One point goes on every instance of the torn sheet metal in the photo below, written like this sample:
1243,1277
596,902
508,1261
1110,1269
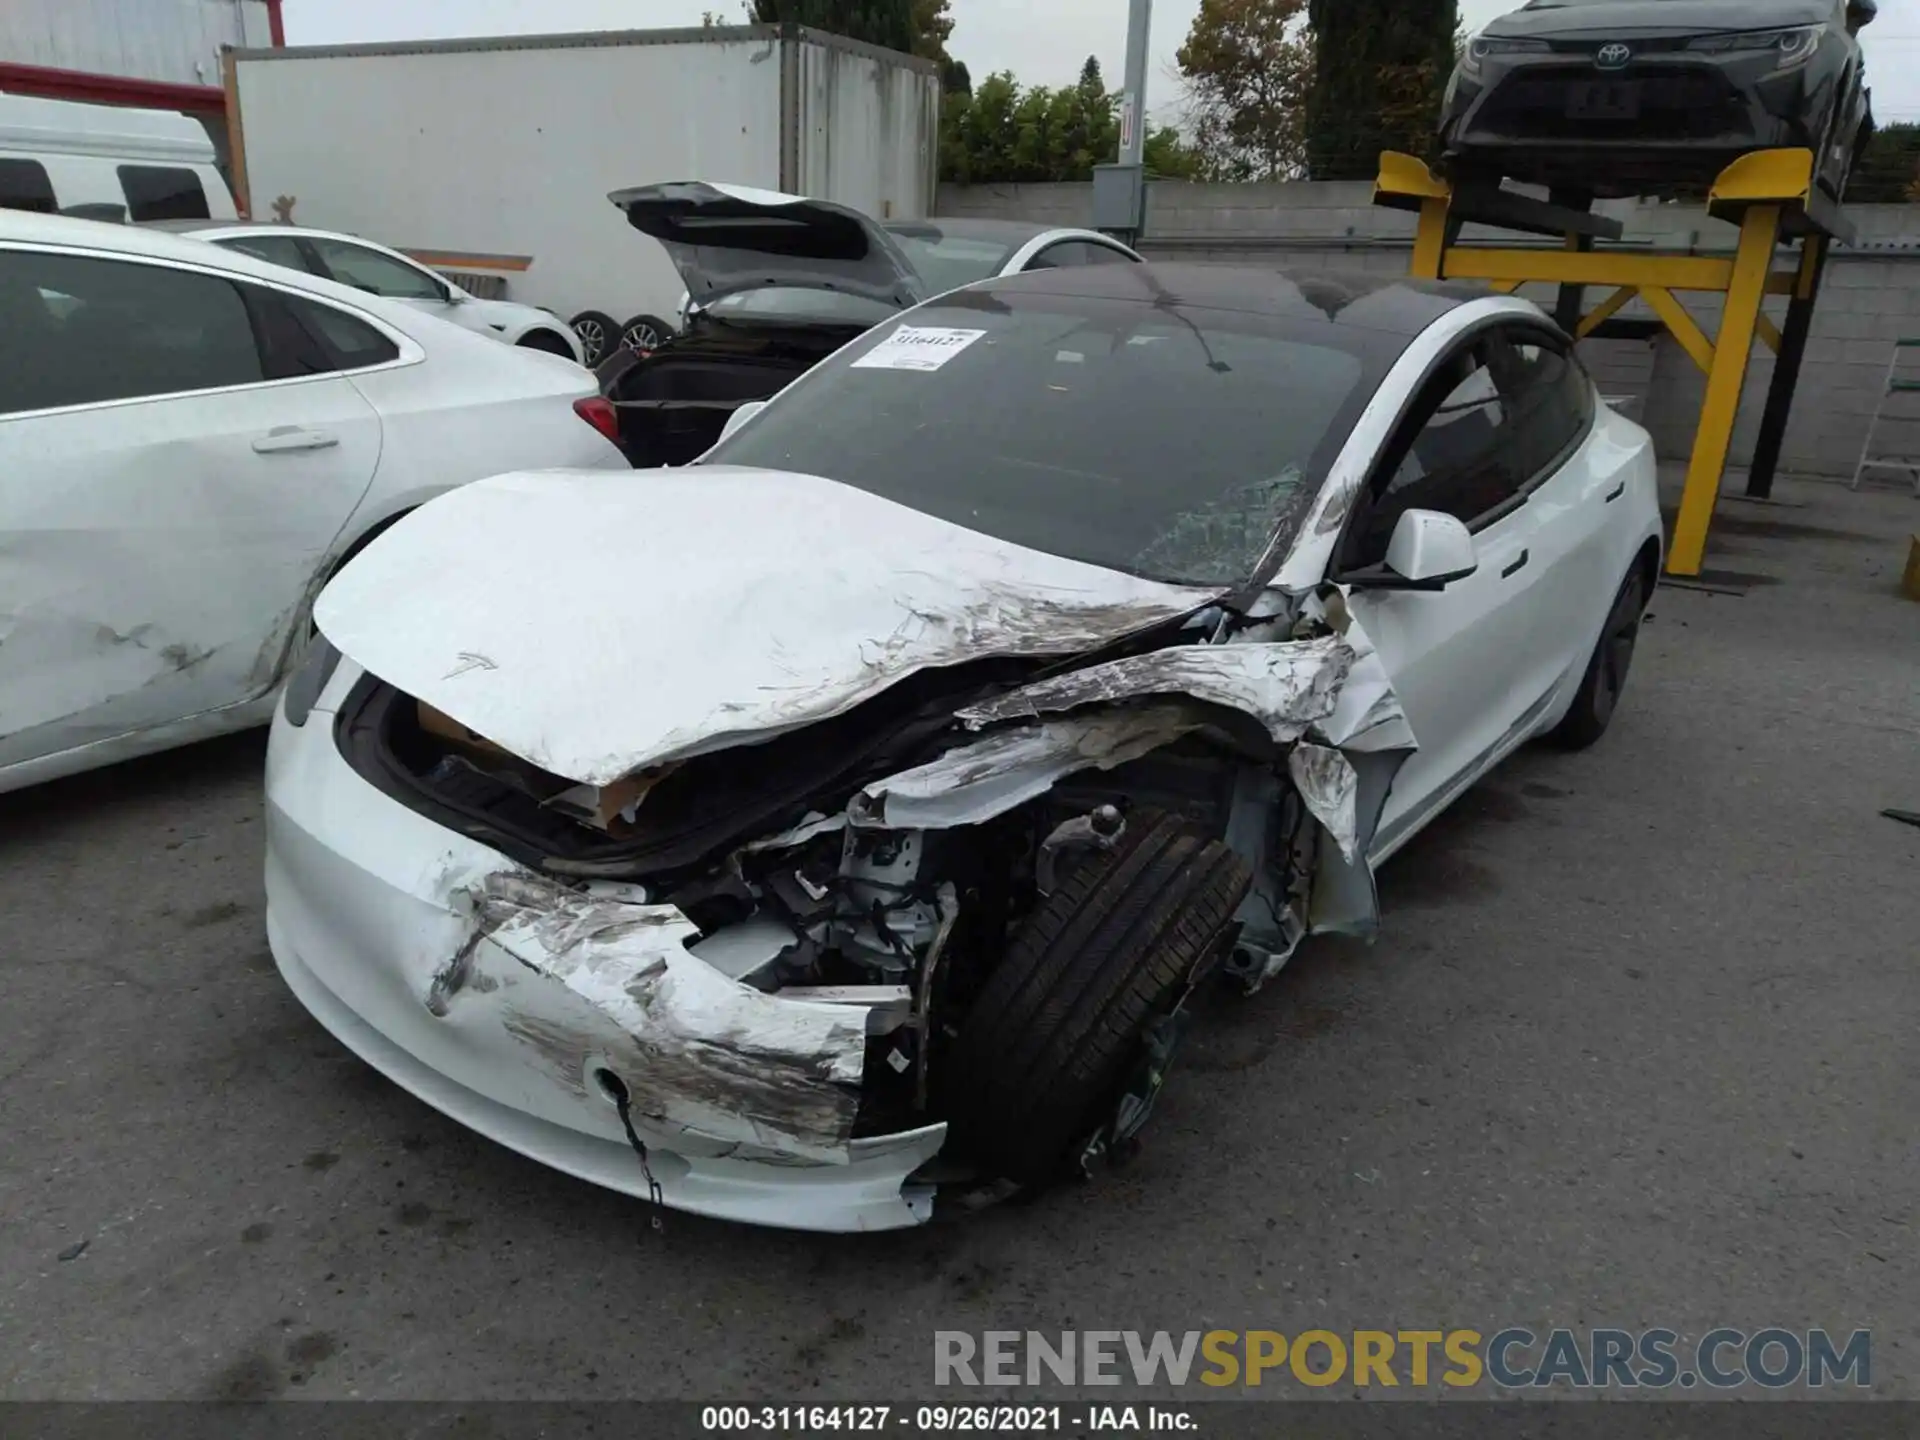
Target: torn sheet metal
696,1050
1346,897
1000,772
1367,717
1287,686
1328,787
593,626
814,824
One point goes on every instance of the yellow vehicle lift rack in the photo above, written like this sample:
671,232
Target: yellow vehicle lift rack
1769,194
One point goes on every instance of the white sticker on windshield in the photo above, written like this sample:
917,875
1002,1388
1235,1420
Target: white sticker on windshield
917,347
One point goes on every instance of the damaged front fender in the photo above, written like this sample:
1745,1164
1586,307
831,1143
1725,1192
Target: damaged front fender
1286,686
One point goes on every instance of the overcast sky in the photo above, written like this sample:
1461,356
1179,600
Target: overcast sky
1043,42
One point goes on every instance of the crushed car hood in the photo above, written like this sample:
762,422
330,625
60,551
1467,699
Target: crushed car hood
595,623
1548,19
727,238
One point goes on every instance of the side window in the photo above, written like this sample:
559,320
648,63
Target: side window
1452,454
350,344
162,192
80,331
1104,255
1549,399
375,273
24,186
274,249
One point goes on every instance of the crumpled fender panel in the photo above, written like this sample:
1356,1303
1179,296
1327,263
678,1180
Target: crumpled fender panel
1328,698
1286,686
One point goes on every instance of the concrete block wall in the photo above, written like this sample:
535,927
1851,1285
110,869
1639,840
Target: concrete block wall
1871,297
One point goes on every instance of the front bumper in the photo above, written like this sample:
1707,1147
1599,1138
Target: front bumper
363,916
1672,117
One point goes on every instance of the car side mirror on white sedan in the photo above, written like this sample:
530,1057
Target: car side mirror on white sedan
1429,551
741,416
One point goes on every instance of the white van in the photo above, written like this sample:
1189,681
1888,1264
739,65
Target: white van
102,162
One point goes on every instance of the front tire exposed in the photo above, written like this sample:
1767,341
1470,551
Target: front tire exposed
1598,698
1049,1047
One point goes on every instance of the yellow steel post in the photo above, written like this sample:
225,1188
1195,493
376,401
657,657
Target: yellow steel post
1406,182
1430,242
1759,236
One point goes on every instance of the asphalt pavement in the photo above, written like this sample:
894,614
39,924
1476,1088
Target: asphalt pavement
1638,1048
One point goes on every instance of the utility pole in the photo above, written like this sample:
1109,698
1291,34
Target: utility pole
1120,191
1133,100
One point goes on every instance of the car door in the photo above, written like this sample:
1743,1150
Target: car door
1570,476
178,452
1454,656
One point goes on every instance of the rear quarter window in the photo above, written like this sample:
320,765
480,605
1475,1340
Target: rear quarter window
351,344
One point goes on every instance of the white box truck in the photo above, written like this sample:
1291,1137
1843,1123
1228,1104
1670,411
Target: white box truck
494,157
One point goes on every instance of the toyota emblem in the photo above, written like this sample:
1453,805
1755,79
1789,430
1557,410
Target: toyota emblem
1614,56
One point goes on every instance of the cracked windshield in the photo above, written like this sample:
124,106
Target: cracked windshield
1171,444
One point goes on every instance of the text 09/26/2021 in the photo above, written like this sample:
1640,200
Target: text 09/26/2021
943,1419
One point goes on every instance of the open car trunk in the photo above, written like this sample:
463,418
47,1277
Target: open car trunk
775,284
674,402
673,406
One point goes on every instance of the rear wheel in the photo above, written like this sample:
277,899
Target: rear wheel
644,332
596,330
548,341
1075,1016
1606,678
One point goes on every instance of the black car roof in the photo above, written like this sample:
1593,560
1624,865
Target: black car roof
1356,299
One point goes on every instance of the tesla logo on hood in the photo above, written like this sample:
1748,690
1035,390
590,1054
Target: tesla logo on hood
1614,56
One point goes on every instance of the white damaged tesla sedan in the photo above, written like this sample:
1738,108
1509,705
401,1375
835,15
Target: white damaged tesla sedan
852,813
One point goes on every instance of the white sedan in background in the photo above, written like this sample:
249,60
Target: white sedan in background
853,811
191,442
950,253
390,275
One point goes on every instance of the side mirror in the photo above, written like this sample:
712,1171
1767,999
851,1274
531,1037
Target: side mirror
1861,13
455,295
1428,552
741,416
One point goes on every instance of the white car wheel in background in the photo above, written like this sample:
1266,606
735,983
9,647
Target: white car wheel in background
644,332
596,330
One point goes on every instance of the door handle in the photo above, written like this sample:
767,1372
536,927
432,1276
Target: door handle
283,438
1517,566
1618,491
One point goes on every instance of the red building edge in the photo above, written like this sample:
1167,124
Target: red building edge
52,84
